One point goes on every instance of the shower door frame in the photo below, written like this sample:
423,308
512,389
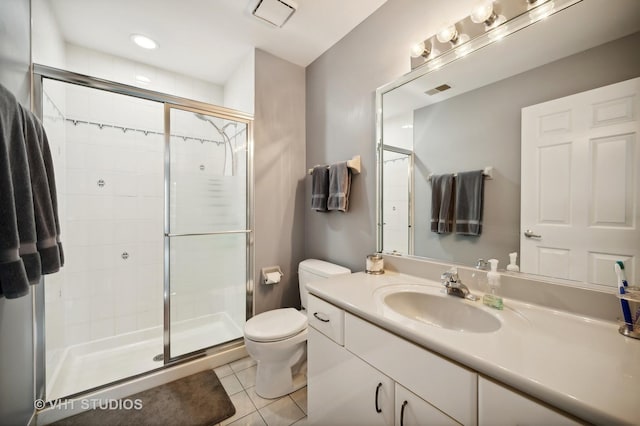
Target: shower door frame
41,72
410,196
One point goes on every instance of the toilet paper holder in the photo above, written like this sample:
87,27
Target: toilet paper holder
271,274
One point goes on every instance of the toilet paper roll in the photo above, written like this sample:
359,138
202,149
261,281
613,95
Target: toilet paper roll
272,277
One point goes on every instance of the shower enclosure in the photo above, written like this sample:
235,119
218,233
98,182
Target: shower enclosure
397,205
155,203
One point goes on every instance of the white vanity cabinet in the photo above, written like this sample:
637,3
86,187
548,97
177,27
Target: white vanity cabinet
448,387
367,380
361,374
344,390
498,406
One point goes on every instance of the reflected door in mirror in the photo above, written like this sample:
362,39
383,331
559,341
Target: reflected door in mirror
580,189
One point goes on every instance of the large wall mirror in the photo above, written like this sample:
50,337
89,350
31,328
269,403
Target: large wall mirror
554,110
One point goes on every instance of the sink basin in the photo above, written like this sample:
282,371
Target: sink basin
446,312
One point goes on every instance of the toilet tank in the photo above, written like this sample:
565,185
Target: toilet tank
313,270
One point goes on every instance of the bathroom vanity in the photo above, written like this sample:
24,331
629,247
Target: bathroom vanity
381,352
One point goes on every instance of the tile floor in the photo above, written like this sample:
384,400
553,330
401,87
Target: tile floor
238,379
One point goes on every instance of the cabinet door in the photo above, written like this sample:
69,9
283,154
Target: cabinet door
498,405
412,410
444,384
343,389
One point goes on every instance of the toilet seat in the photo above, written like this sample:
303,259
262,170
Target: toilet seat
275,325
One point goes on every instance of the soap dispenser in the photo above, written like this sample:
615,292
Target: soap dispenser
512,262
493,278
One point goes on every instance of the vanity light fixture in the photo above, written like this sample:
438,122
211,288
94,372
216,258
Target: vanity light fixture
544,10
448,34
498,18
144,41
484,12
420,49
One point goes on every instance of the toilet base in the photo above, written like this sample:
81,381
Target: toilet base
275,382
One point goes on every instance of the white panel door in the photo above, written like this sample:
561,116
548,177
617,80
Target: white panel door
581,185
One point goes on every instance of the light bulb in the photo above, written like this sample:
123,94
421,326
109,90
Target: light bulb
417,49
143,41
420,50
542,11
482,11
446,34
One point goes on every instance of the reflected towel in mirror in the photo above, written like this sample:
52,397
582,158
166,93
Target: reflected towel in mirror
469,202
442,187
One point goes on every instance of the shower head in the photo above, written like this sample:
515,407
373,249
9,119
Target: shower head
225,138
203,117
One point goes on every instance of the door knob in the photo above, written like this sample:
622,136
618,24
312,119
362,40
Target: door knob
529,234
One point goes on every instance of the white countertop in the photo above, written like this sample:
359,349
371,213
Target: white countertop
578,364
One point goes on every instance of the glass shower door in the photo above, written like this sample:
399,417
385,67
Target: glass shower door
397,170
207,229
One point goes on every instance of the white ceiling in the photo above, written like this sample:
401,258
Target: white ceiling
207,39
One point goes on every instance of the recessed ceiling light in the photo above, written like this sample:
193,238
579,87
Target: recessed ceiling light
143,79
143,41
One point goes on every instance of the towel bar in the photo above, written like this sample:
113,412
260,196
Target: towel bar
353,164
487,172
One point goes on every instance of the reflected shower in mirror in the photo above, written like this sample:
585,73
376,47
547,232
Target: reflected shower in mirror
477,122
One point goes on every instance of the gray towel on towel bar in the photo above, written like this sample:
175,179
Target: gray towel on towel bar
339,187
469,202
442,187
319,188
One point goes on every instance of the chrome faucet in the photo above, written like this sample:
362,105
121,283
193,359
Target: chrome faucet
452,282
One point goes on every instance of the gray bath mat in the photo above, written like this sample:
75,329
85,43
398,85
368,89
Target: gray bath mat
199,400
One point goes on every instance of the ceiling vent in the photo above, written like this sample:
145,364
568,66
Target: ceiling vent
275,12
438,89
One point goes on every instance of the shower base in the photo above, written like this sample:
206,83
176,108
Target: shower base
89,365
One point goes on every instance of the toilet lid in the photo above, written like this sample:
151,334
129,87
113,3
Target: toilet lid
275,325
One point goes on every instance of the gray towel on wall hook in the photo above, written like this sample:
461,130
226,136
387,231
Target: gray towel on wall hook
17,227
44,195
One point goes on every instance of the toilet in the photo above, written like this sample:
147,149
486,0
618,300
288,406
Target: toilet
277,339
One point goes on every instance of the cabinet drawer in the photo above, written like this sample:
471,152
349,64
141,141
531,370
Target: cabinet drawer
326,318
444,384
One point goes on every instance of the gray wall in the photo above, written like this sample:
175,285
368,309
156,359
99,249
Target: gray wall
341,88
279,166
491,136
16,344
